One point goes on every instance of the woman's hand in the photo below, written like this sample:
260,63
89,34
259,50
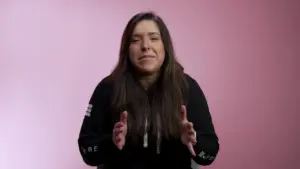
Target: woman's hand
188,135
120,131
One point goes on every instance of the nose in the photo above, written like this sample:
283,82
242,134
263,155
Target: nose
145,44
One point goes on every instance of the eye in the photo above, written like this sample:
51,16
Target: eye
154,38
134,40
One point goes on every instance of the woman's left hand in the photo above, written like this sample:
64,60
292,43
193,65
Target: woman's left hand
188,135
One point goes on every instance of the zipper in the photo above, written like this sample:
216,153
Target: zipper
158,143
158,140
146,134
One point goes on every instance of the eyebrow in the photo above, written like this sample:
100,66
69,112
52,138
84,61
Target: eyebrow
149,33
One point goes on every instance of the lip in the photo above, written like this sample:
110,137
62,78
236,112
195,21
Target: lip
146,57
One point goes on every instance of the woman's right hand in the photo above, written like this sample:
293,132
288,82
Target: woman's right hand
120,131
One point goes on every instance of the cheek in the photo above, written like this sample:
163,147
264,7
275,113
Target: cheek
161,54
161,57
133,53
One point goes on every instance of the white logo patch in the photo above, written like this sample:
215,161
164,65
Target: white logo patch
205,156
89,110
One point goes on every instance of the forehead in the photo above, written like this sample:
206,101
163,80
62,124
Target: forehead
146,27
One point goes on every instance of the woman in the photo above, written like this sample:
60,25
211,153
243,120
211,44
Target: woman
147,113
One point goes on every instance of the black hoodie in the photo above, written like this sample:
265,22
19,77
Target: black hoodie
96,146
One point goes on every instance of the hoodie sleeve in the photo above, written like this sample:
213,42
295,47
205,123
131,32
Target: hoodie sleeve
95,138
198,113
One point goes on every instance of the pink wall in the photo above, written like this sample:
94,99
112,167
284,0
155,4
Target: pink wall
244,54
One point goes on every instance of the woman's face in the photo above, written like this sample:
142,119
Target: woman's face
146,51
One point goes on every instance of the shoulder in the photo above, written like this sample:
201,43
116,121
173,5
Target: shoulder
194,89
192,83
103,87
103,84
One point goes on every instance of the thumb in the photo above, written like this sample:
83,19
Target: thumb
123,117
191,149
183,113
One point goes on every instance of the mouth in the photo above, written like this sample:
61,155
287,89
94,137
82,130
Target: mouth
146,57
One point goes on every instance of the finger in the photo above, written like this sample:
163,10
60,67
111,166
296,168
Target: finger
192,139
118,125
119,142
191,149
183,113
190,127
118,139
119,145
118,131
191,133
123,117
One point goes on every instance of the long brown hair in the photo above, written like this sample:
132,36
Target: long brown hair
163,106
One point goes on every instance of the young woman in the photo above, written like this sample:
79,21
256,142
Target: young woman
148,113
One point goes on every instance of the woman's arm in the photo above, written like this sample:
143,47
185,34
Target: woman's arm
95,137
207,146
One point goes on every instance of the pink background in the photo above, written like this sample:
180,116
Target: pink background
243,53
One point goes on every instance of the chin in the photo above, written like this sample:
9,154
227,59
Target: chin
147,70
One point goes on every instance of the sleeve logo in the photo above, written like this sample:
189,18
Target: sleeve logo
205,156
89,110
